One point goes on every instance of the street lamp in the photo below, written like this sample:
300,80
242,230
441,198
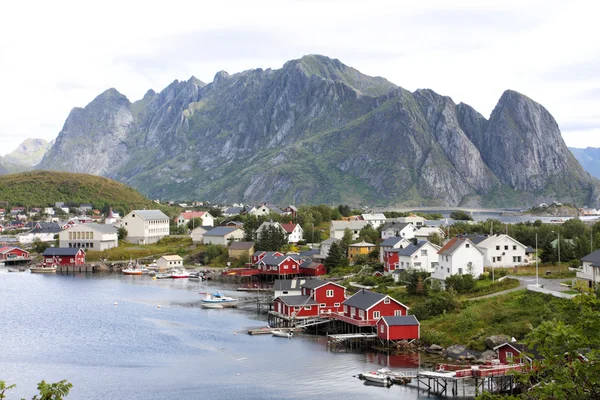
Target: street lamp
558,244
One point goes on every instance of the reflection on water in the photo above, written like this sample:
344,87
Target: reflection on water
68,327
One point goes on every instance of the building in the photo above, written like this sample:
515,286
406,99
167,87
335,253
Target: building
294,232
312,268
12,253
459,256
326,246
44,231
89,236
238,249
590,269
375,220
502,251
398,229
185,217
512,353
328,295
260,254
391,243
63,256
112,217
338,228
365,308
405,327
288,287
145,226
168,262
296,306
279,265
424,232
197,233
356,250
223,235
416,220
421,256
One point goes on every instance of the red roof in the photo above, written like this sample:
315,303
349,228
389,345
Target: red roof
448,245
6,249
289,228
193,214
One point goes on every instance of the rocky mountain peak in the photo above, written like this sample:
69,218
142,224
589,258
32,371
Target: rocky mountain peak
29,153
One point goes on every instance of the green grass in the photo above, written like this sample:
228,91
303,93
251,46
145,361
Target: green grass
547,271
127,251
486,287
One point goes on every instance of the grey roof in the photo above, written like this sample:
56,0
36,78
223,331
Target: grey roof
410,249
314,283
220,231
150,214
475,238
46,227
276,209
60,251
288,284
330,241
352,225
593,258
104,228
298,300
397,226
258,253
309,253
233,210
391,241
529,250
364,299
270,259
403,320
241,245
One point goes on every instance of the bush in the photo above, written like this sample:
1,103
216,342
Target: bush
431,336
438,303
461,283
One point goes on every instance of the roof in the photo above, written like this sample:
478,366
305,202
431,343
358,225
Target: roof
46,227
529,250
258,253
593,258
270,259
453,245
233,210
104,228
310,264
491,241
362,244
309,253
221,231
317,283
391,241
297,300
397,226
330,241
371,217
428,230
410,249
241,245
6,249
192,214
61,251
352,225
289,228
174,257
404,320
364,299
150,214
288,284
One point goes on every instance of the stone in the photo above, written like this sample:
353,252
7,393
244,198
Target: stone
496,340
455,351
435,347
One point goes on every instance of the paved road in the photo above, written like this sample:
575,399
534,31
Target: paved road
552,284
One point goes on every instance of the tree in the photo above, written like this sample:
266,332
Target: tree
460,216
194,223
344,210
38,246
368,234
271,238
122,233
47,391
335,257
215,212
346,241
435,239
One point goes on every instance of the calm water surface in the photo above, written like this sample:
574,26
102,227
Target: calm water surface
67,327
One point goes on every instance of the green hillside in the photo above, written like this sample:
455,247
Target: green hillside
44,188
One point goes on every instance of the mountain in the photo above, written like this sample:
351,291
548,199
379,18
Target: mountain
44,188
318,131
589,158
3,169
26,156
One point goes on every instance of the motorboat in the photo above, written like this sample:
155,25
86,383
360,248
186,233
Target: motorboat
16,269
43,269
132,271
377,377
283,334
179,273
212,305
163,276
395,376
218,298
195,277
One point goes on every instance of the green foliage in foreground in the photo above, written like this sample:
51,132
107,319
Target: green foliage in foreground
127,251
47,391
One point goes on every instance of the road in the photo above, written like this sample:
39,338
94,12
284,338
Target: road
552,284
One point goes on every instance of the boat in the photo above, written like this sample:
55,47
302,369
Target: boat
218,298
280,333
153,266
395,376
194,277
179,273
212,305
16,269
133,269
43,269
163,276
377,377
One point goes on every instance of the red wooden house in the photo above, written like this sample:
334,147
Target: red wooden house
391,260
405,327
64,256
260,254
8,252
279,265
296,306
365,308
312,268
512,353
328,295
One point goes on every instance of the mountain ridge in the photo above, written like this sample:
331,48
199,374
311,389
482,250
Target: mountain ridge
317,130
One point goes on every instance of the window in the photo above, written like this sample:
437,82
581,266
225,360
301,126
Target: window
493,259
296,308
417,264
423,252
345,309
397,313
361,314
336,304
446,258
329,293
497,247
448,270
467,245
509,356
376,314
506,247
323,305
308,307
352,311
70,235
285,292
499,259
386,300
514,247
460,271
285,267
382,328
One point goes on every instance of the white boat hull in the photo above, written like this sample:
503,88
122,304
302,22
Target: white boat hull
282,334
377,378
42,270
212,305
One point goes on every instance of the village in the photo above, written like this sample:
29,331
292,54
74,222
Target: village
332,287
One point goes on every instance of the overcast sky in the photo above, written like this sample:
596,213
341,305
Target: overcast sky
56,55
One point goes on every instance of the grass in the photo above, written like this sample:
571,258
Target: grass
127,251
486,287
547,271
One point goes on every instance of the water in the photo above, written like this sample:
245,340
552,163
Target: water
480,216
67,327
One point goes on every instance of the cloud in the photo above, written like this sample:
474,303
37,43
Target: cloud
67,86
591,94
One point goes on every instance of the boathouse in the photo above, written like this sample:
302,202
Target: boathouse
64,256
365,308
328,295
9,252
405,327
260,254
272,265
288,287
312,268
512,353
296,306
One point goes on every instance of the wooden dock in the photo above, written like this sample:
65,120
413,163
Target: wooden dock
265,330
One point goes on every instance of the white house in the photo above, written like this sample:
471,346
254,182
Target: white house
459,256
374,219
294,232
112,217
424,232
185,217
590,269
338,228
391,244
197,233
167,262
398,229
44,231
145,226
326,246
422,256
412,219
266,209
223,235
49,211
89,236
502,251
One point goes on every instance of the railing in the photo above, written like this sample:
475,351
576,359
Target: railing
357,322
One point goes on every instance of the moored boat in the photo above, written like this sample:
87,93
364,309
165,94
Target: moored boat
283,334
179,273
395,376
218,298
376,377
163,276
212,305
43,269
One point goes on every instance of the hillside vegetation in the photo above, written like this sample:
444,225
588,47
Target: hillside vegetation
44,188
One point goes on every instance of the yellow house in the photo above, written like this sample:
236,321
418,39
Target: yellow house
236,249
358,249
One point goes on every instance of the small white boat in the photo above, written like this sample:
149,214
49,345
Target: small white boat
283,334
17,269
179,273
163,276
43,269
218,298
395,376
376,377
212,305
195,277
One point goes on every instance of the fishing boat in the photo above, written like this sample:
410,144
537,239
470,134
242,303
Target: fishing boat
43,269
376,377
179,273
283,334
218,298
212,305
132,269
